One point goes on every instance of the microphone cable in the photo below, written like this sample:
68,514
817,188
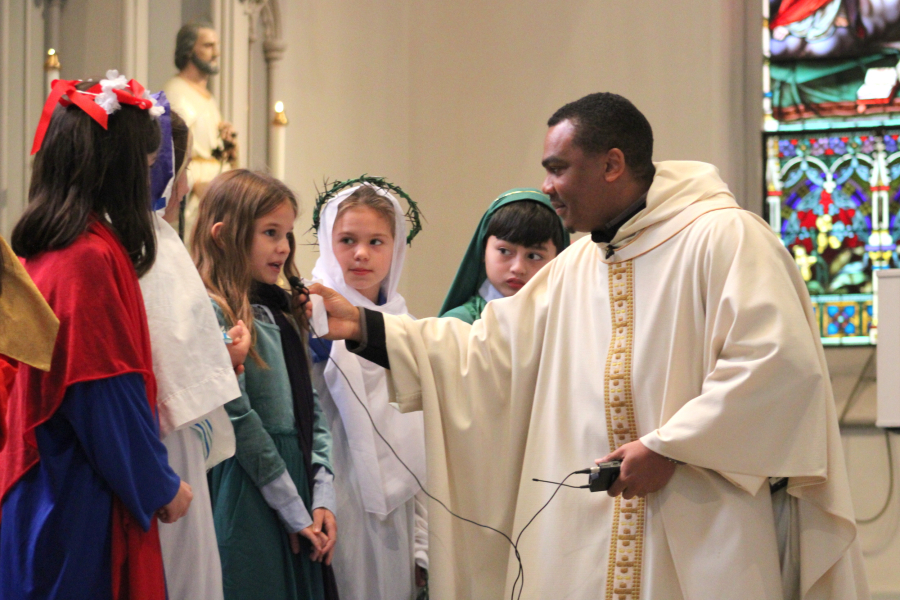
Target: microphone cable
301,289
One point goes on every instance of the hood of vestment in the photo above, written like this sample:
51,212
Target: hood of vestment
681,191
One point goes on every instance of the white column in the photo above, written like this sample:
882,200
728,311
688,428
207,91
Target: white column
773,185
231,85
274,51
769,122
136,38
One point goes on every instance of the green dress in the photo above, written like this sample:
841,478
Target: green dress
257,562
463,300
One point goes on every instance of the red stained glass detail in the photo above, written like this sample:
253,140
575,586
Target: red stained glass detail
845,215
807,220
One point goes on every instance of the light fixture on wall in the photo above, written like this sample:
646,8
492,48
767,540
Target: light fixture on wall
51,68
277,141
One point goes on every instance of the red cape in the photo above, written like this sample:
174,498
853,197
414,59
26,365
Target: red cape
93,289
8,369
792,11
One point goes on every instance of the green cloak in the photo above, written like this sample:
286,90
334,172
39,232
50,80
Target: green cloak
463,300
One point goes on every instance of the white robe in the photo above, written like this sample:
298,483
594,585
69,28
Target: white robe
375,553
194,380
714,340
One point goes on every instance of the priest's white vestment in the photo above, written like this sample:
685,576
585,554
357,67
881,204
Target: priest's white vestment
696,336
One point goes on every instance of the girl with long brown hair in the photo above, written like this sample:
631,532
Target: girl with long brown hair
273,503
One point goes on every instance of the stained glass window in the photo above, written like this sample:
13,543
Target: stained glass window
831,77
834,199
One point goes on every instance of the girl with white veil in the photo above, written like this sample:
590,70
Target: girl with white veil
383,549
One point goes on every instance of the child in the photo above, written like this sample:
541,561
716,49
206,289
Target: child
362,245
272,502
517,236
83,473
194,373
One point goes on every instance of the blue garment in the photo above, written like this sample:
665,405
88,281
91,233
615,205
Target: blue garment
55,533
320,348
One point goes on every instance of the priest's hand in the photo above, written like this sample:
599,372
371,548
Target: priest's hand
643,471
325,525
343,317
178,507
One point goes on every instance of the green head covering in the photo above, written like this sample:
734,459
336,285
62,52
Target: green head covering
471,273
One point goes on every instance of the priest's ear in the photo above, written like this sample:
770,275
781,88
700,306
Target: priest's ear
615,165
216,233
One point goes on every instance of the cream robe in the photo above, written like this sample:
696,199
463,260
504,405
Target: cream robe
201,114
715,342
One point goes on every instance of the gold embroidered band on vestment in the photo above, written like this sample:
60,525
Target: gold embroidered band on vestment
623,580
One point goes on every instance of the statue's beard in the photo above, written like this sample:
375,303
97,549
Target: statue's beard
205,67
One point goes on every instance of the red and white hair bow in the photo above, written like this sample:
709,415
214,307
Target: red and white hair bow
99,101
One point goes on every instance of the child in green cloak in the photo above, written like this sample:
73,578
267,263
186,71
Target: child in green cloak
518,235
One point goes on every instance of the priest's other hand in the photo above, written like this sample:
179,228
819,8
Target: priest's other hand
643,471
178,507
325,525
343,317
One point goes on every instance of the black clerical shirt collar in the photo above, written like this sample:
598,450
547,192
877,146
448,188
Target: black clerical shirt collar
605,235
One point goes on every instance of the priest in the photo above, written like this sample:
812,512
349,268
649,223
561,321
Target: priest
678,338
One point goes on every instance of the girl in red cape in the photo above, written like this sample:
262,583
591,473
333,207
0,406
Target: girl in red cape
83,474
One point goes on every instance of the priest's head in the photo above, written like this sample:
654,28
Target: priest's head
598,157
197,47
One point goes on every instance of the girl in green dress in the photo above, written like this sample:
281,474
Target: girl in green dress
517,236
273,502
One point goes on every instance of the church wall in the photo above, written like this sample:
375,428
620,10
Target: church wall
21,100
485,79
91,39
164,22
346,77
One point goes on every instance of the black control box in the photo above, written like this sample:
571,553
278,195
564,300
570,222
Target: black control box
604,475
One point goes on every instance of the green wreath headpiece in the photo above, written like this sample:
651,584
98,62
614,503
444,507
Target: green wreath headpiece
413,213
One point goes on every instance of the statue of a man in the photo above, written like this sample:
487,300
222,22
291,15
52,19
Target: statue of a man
214,145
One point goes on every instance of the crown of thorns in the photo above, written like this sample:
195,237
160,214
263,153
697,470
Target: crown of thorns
413,213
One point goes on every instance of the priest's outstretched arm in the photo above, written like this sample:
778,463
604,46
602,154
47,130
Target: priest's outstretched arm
644,471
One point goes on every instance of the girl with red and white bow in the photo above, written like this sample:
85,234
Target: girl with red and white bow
83,474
